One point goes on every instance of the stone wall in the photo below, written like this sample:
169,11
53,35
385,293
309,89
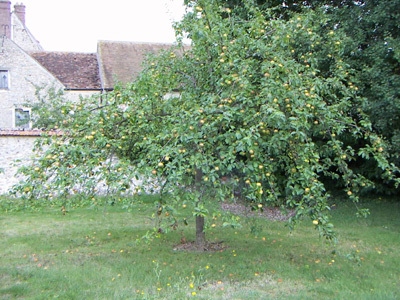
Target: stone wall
13,148
16,150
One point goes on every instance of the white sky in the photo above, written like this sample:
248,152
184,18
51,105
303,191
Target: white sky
77,25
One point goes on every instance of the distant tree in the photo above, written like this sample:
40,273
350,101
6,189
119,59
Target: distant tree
375,53
254,113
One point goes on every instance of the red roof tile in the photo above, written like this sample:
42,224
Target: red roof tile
75,70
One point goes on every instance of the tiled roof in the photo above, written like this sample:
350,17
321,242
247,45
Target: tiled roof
75,70
123,60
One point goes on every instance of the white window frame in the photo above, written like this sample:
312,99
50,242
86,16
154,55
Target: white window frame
24,109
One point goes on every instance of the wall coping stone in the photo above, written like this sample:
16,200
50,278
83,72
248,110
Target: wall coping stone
31,132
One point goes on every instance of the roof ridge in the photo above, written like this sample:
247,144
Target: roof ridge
60,52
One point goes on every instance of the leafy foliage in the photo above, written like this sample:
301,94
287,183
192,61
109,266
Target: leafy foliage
259,113
46,111
372,32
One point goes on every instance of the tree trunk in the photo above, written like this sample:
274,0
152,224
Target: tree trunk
200,234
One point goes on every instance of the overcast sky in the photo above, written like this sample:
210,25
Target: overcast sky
77,25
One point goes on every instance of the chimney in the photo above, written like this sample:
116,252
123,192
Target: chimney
5,18
19,10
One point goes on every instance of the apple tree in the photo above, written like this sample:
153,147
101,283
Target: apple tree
245,110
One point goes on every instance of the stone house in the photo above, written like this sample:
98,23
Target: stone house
25,66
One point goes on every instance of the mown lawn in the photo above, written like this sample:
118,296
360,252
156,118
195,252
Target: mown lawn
92,253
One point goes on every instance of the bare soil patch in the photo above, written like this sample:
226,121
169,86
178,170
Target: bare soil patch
271,213
208,247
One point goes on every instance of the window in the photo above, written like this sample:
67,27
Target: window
22,117
3,79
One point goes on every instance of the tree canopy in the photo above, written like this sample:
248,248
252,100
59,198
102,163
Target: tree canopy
262,107
372,31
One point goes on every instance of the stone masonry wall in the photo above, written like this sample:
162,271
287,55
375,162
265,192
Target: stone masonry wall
17,151
13,148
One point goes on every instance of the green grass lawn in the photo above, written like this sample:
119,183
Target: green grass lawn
92,253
